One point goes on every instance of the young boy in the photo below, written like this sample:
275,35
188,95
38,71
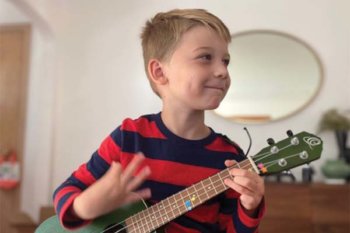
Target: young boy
152,157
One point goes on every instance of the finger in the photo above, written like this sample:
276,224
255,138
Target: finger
230,163
243,172
114,171
238,188
138,195
144,193
249,202
132,166
139,179
246,183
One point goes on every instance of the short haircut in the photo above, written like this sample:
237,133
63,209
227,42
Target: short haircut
162,33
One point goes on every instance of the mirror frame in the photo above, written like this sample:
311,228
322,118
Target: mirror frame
315,55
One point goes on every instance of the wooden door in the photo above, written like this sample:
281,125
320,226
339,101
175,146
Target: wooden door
14,50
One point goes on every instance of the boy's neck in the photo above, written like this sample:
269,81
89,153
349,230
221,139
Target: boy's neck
186,125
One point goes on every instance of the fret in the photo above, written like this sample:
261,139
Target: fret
153,213
197,193
149,213
156,214
167,208
221,176
214,183
174,206
130,226
167,211
209,188
187,199
143,222
162,213
183,197
204,188
222,182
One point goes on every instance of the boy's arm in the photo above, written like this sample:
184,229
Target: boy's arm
248,191
234,217
91,182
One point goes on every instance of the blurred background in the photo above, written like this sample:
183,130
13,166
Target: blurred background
71,71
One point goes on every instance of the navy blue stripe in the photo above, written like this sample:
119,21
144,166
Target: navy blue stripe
62,201
160,191
240,227
226,206
133,142
74,224
200,226
71,181
97,166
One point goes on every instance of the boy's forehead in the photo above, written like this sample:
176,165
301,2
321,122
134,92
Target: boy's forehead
201,37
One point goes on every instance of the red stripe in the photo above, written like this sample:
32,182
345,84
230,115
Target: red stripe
226,222
63,192
221,145
172,172
109,150
143,126
84,175
247,220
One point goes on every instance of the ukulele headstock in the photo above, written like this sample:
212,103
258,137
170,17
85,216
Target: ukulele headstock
288,153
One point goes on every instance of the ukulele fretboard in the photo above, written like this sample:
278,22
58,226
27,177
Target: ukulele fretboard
172,207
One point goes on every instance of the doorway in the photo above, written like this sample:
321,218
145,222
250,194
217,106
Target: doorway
14,56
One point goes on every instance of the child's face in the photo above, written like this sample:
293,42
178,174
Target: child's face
197,73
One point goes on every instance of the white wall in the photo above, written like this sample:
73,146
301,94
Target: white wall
95,72
36,178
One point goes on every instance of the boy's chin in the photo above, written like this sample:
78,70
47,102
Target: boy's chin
212,106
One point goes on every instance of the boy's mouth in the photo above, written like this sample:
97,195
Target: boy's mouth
221,88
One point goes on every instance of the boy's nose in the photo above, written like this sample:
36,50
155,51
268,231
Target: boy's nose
221,71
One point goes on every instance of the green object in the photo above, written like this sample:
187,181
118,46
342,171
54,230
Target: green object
336,169
102,224
288,153
291,152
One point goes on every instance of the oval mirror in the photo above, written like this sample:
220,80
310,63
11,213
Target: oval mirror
273,75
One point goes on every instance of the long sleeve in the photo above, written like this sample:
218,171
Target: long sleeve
81,179
234,219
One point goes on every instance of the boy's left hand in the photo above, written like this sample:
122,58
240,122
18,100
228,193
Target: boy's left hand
249,184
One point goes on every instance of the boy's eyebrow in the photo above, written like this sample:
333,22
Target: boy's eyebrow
208,48
203,48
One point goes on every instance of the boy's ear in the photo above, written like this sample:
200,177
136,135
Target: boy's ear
156,72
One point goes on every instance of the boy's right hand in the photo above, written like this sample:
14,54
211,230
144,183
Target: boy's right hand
112,190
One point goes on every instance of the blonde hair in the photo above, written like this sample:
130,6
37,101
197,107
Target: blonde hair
162,33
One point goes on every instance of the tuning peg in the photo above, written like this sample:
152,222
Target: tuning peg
270,141
290,133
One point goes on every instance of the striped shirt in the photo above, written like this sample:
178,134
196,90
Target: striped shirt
175,163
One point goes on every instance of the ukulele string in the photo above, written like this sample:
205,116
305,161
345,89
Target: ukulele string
259,157
245,164
139,230
273,162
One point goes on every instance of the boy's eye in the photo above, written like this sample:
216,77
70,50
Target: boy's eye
226,61
206,57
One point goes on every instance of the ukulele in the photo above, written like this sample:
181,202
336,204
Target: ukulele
291,152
